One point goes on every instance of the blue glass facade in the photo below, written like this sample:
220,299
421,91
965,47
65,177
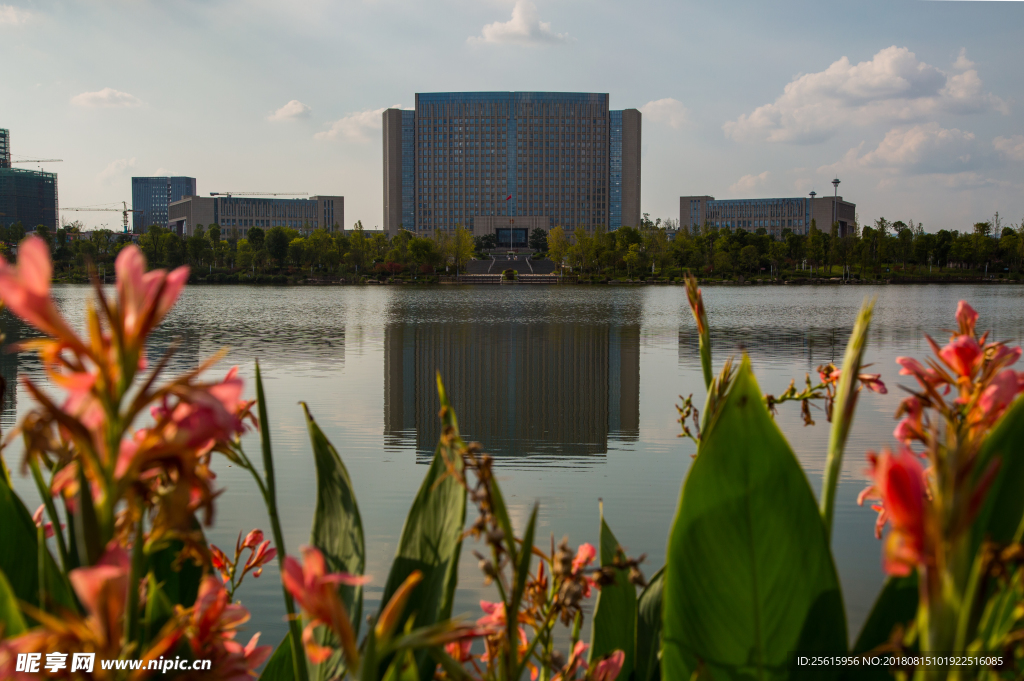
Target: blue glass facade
152,195
480,156
408,168
615,171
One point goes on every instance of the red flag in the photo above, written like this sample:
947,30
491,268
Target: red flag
509,197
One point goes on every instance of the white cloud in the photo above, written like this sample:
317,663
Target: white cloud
115,170
1011,147
669,111
107,97
749,182
355,127
524,28
14,16
290,111
893,87
962,63
927,148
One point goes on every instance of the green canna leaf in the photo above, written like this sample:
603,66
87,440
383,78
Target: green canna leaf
87,525
1003,508
432,537
178,582
896,605
279,666
522,571
749,579
11,621
648,629
269,489
338,533
18,536
614,626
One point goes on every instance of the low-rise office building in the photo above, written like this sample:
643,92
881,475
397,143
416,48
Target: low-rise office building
496,161
774,215
236,215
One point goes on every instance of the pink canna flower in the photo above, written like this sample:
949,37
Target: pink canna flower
584,556
608,669
911,367
145,297
966,318
1001,391
252,540
911,427
261,555
460,650
37,518
963,355
25,289
898,482
316,592
873,382
210,627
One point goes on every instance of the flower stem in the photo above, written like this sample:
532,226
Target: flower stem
842,419
51,511
131,620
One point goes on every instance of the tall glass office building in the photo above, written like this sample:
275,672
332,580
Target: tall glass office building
152,195
510,162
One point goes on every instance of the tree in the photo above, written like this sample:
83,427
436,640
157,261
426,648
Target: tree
173,253
357,248
199,249
558,245
538,240
152,244
319,246
461,248
632,258
776,253
424,251
297,251
256,238
277,241
656,246
244,254
749,257
213,233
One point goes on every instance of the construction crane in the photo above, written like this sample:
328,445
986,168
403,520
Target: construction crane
230,194
124,210
40,160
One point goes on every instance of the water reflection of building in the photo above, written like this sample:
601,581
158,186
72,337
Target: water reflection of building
815,345
547,390
12,332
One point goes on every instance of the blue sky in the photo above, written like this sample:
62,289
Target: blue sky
916,106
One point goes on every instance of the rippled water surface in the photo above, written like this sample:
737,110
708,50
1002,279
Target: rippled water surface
572,388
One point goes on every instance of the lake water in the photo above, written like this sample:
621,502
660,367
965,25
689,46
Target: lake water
571,388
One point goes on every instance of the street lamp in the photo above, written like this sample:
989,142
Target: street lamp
811,211
835,183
